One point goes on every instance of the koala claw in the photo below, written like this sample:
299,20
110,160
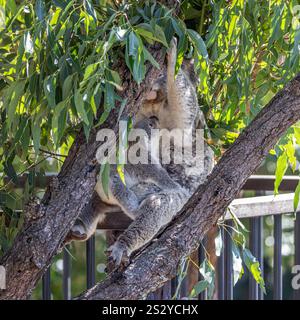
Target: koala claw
117,255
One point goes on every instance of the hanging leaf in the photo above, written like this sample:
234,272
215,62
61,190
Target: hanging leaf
36,136
282,165
296,197
90,70
254,268
198,288
290,152
58,122
104,174
68,86
14,94
28,44
237,265
218,243
145,30
79,104
40,9
134,57
198,42
148,57
49,90
208,273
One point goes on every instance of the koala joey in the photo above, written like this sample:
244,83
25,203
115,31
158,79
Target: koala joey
173,100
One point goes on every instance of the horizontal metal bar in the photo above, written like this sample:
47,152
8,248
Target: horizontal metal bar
255,182
262,206
266,183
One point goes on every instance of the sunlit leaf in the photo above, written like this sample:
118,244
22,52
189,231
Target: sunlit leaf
198,43
79,103
296,197
104,174
282,165
254,268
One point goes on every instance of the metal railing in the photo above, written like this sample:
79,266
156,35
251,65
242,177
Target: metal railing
253,209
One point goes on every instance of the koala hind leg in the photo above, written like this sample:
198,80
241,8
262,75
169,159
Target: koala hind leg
86,223
154,212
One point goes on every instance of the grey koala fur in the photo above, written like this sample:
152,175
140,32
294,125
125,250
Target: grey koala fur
141,180
155,193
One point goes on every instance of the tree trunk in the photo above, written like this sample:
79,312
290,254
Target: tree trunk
158,262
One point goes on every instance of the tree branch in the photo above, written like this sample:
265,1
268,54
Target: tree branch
153,266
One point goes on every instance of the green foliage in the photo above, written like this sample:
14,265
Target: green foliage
241,257
296,198
250,47
253,266
208,283
58,72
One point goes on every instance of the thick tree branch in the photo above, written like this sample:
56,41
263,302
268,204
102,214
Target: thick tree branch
158,262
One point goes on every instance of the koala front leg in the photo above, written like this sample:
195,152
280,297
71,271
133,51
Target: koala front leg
159,176
127,199
154,212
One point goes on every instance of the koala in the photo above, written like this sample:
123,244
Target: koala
173,101
153,194
140,180
125,195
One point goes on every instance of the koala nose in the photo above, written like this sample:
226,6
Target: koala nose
153,121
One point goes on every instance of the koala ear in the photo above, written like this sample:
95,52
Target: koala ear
152,95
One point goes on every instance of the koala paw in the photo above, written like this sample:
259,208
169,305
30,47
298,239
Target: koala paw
117,255
77,233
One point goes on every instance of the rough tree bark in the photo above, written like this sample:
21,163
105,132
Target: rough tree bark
158,262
